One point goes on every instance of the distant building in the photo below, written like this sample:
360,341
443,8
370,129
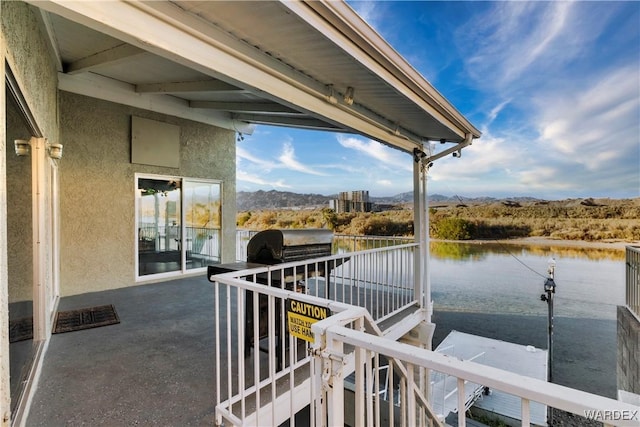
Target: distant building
351,201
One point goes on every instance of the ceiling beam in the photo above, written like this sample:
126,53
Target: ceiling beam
100,87
245,107
117,54
297,122
53,41
184,87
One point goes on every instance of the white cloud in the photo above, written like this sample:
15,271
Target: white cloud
260,180
570,125
495,111
289,161
489,155
265,165
286,160
514,39
594,126
367,11
388,158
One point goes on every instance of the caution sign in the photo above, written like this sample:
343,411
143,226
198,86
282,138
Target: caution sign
300,317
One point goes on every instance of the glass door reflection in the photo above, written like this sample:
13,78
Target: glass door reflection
159,226
202,223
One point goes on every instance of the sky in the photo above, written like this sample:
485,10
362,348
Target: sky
554,87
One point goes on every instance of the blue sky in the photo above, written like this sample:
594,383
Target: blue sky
553,86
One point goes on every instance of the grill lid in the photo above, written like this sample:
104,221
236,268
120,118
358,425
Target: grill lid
273,244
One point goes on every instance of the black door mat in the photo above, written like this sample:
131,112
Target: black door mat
21,329
86,318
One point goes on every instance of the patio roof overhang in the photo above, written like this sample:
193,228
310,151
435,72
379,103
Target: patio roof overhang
314,65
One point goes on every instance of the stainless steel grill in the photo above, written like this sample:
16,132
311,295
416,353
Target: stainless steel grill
278,246
271,247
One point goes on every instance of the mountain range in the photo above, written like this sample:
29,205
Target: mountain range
273,199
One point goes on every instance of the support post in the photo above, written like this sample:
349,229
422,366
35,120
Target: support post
333,382
422,287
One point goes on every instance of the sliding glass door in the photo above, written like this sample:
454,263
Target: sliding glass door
178,224
202,212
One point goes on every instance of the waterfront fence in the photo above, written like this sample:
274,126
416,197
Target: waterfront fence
260,364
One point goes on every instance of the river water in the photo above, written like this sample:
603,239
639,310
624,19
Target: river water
494,289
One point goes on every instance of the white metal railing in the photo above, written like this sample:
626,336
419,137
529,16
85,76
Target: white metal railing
633,279
381,277
341,242
332,338
251,385
400,395
444,388
251,316
256,387
353,243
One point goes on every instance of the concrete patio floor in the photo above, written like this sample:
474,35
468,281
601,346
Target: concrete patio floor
156,367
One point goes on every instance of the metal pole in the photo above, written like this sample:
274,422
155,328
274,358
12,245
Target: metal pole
550,337
550,289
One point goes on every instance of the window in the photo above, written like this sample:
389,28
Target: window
178,224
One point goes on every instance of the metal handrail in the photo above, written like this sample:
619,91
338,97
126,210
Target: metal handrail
526,388
356,278
337,345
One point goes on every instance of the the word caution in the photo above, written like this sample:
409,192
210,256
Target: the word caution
300,317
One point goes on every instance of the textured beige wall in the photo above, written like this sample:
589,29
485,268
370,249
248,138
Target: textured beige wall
32,64
97,183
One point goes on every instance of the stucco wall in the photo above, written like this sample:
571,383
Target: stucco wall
628,351
32,64
97,181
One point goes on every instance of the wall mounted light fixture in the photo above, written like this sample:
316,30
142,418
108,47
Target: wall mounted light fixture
54,150
348,96
331,98
22,147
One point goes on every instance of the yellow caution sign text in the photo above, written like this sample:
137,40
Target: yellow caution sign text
300,317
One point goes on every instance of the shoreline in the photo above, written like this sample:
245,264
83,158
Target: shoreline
546,241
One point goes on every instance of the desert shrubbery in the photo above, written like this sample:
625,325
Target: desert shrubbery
567,220
452,228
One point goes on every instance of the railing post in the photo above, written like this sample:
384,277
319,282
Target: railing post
462,421
360,357
318,405
333,382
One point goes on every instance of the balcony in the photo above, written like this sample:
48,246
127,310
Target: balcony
377,323
181,356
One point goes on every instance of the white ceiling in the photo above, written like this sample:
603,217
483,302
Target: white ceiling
237,63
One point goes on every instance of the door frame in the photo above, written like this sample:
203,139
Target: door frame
46,255
183,270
